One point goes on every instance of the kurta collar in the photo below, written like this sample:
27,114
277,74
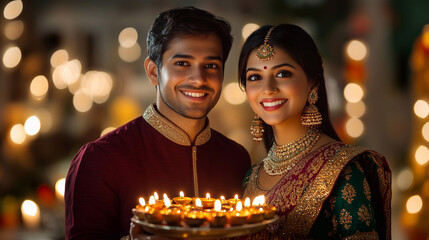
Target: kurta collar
172,131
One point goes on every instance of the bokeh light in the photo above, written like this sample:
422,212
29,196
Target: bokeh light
421,108
12,57
130,54
39,86
414,204
354,127
81,101
356,50
59,57
248,29
425,131
425,36
13,9
17,134
60,186
353,93
29,207
355,110
32,125
97,85
422,155
128,37
107,130
13,30
233,94
405,179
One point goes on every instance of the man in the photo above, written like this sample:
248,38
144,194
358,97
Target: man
170,148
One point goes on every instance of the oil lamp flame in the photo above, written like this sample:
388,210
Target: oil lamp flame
167,201
155,195
182,194
198,202
222,198
217,205
239,206
152,200
208,195
142,202
247,202
236,197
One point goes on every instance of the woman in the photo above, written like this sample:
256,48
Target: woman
321,187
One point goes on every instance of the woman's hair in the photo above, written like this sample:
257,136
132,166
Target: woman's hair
183,22
301,47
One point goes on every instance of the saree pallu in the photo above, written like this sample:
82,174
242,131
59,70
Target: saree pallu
307,189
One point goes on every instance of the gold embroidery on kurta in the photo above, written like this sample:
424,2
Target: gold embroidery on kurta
345,219
171,131
364,215
366,189
349,193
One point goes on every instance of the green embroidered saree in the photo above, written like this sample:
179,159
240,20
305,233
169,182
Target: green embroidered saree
336,192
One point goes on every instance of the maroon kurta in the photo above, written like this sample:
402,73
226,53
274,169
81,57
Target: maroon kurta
107,176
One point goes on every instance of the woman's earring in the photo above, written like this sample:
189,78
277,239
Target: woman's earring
311,117
257,129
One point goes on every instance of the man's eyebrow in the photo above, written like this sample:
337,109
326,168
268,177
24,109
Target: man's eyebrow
182,56
191,57
214,58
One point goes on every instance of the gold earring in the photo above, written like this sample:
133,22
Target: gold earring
311,117
257,129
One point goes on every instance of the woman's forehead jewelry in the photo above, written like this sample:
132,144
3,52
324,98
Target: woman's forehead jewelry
266,51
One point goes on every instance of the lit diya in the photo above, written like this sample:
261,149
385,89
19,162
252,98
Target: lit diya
233,201
195,217
172,215
152,213
182,200
217,218
238,216
208,202
158,203
256,212
139,211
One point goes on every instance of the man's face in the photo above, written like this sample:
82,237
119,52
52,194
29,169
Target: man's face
191,75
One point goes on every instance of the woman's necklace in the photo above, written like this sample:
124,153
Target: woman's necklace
283,158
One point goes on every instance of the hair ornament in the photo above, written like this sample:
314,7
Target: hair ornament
266,51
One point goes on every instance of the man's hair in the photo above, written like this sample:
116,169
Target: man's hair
184,22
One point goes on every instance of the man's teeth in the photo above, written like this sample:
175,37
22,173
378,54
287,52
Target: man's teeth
272,104
194,94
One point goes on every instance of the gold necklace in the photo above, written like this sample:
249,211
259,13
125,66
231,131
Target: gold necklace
283,158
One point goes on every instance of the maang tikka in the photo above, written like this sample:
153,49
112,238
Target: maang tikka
266,51
257,129
311,117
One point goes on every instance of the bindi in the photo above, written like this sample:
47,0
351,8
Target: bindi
265,67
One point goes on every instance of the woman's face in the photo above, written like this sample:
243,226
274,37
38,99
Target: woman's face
276,89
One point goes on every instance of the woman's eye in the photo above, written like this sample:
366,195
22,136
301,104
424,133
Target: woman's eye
284,74
254,77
